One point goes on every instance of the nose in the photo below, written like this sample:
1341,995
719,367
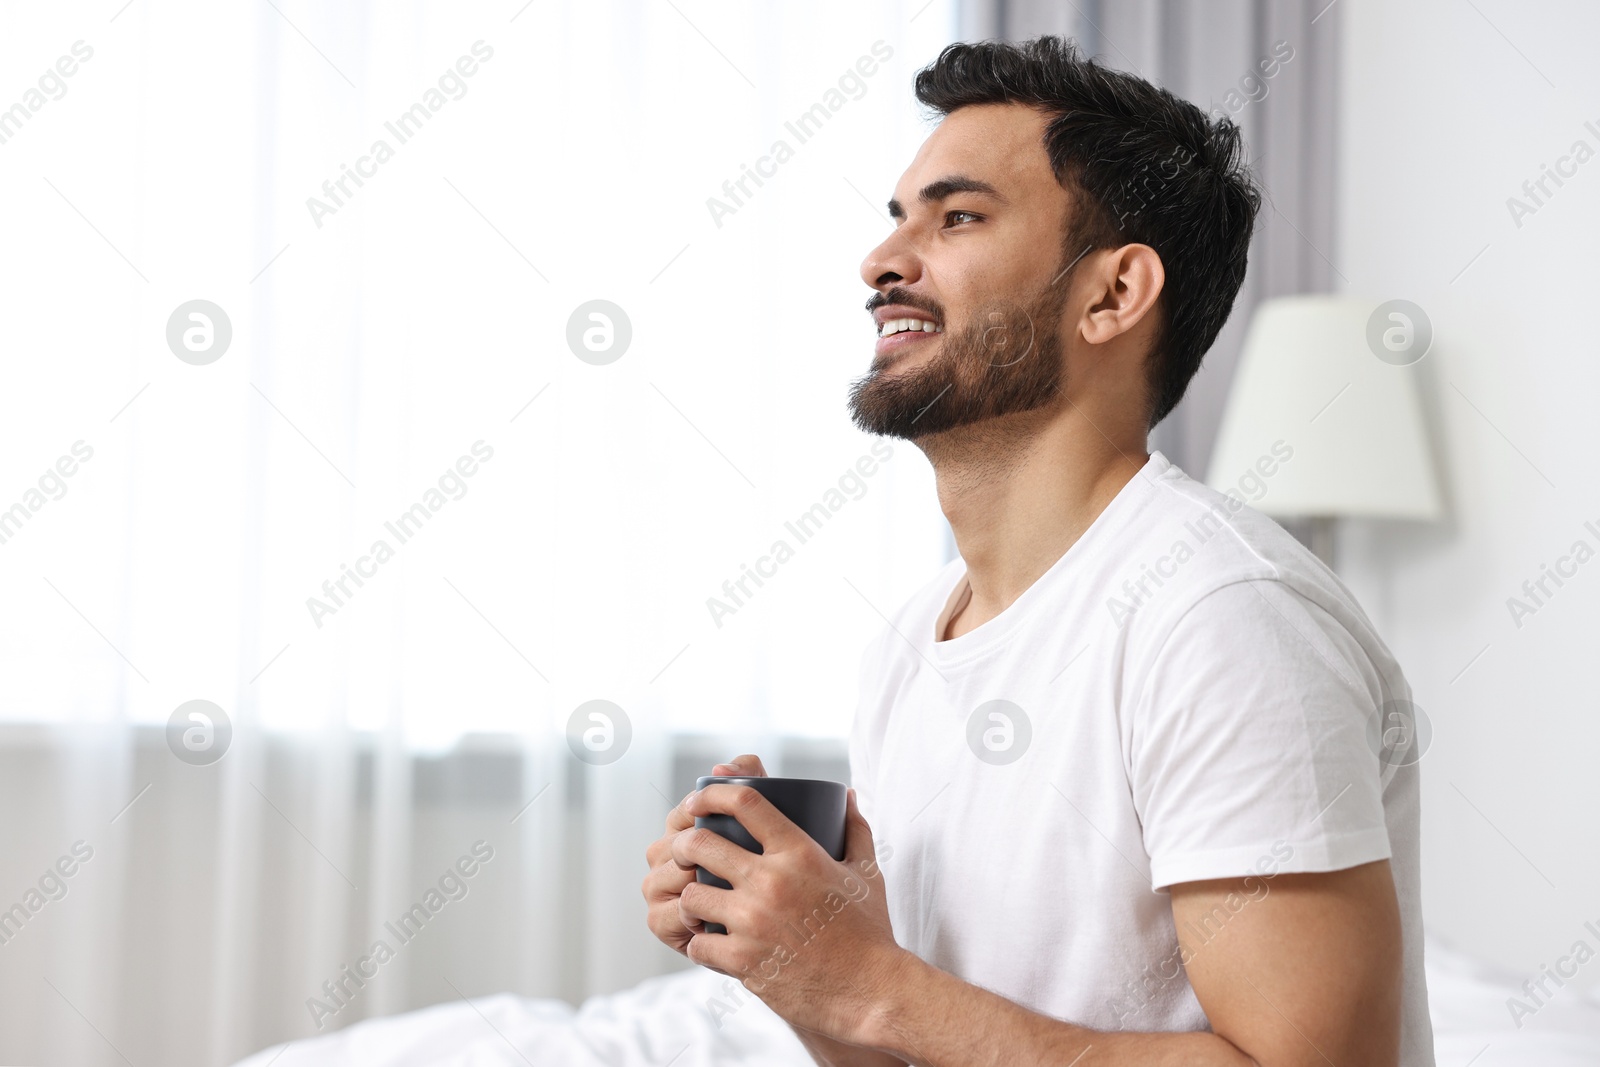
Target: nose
893,262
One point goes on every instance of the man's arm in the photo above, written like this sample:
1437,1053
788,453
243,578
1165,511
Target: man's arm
830,1053
1301,974
1308,973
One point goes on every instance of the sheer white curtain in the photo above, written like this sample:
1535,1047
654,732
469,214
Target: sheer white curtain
400,529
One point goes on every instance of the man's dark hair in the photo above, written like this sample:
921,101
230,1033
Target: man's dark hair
1148,168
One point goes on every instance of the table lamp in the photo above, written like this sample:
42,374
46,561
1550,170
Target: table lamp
1331,382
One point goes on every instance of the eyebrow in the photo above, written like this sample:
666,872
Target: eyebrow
944,187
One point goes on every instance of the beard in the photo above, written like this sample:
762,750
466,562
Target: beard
1005,360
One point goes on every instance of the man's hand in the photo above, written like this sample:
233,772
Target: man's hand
665,883
677,927
808,934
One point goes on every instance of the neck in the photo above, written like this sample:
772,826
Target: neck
1020,490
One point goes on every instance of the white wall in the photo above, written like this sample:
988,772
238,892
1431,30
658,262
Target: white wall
1447,108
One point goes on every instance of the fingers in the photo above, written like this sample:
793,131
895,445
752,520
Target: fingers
679,818
700,904
666,879
754,812
703,848
664,923
748,765
660,850
713,951
662,888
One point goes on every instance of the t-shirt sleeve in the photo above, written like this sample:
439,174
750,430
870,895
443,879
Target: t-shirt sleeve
1248,743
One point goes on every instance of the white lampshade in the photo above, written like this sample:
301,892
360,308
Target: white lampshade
1309,383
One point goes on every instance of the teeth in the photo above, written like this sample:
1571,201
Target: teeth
894,326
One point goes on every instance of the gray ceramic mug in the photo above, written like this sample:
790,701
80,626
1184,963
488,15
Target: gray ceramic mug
816,806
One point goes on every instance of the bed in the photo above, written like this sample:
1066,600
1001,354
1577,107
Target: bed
691,1019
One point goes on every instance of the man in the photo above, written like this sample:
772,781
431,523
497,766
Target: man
1130,752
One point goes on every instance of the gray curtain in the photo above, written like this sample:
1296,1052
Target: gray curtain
1209,51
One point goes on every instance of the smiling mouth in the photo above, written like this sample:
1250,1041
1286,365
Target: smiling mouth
892,327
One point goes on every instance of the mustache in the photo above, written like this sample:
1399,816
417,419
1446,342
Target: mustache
905,298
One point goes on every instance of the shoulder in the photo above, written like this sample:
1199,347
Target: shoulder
1232,580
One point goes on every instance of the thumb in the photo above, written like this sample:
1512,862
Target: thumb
748,765
859,851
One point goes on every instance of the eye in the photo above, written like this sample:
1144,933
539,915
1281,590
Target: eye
957,218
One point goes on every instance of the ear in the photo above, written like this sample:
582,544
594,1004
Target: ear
1129,280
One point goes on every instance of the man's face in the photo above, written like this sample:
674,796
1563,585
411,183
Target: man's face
975,261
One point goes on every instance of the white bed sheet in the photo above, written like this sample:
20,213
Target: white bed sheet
1468,1002
659,1022
668,1022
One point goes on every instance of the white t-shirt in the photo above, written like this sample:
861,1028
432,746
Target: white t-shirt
1187,693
